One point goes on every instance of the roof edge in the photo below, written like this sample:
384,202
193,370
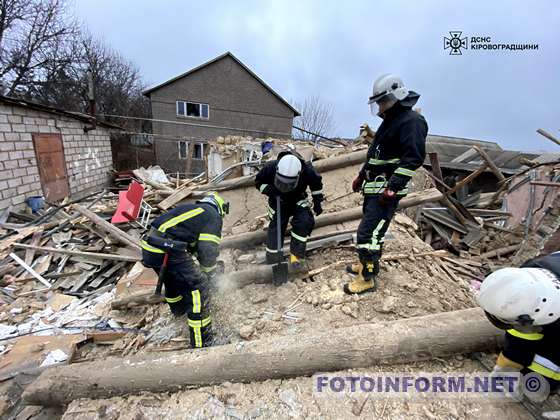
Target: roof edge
147,92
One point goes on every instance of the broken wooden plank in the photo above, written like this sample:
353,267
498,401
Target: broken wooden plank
490,163
174,198
30,252
29,269
545,183
468,179
93,255
112,230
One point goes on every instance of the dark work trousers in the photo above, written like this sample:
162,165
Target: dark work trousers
302,226
371,231
185,292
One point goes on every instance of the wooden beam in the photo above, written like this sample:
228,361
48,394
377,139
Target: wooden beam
548,136
545,183
94,255
490,163
174,198
112,230
359,346
30,270
248,239
468,179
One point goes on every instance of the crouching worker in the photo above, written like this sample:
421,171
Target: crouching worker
525,302
187,231
288,177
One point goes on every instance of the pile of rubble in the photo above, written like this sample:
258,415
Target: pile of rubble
73,289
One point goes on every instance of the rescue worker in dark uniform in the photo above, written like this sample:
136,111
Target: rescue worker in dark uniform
398,149
187,231
525,302
289,176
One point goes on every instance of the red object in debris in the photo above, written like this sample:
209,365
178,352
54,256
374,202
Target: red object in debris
129,204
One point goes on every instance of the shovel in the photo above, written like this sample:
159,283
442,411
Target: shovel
280,269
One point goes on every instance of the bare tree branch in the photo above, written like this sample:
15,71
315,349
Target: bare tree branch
316,117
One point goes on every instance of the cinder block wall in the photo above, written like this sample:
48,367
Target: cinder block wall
88,155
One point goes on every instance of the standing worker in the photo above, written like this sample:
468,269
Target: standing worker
186,231
399,148
525,302
288,177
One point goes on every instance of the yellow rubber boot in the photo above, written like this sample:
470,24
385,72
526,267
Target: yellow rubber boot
360,284
296,264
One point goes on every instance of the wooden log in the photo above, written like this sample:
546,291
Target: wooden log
359,346
490,163
548,136
249,239
94,255
112,230
501,251
323,165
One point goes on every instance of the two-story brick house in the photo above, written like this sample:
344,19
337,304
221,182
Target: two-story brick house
220,97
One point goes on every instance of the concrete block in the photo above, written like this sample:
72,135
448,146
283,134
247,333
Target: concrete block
3,185
9,193
24,189
6,174
20,128
5,146
14,182
27,162
27,121
15,119
23,145
5,128
16,154
31,128
11,164
19,173
12,137
32,170
25,137
3,118
18,200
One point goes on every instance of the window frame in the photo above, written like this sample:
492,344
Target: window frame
186,149
185,103
201,144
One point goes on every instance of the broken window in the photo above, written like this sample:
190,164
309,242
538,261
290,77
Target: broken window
192,109
183,149
198,152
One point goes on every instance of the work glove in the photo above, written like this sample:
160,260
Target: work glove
317,208
357,183
387,197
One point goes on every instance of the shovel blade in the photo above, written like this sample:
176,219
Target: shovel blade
280,273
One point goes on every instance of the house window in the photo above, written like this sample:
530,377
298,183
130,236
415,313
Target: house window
183,149
192,109
198,152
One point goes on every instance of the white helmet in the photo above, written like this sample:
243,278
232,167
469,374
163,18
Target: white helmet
520,297
387,87
287,173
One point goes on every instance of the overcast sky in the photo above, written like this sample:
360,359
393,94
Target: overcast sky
336,49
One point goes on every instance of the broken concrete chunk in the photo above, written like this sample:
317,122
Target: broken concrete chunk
246,332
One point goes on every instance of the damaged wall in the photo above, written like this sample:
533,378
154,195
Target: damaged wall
87,156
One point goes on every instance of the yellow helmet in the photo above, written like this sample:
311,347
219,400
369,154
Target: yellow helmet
214,198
